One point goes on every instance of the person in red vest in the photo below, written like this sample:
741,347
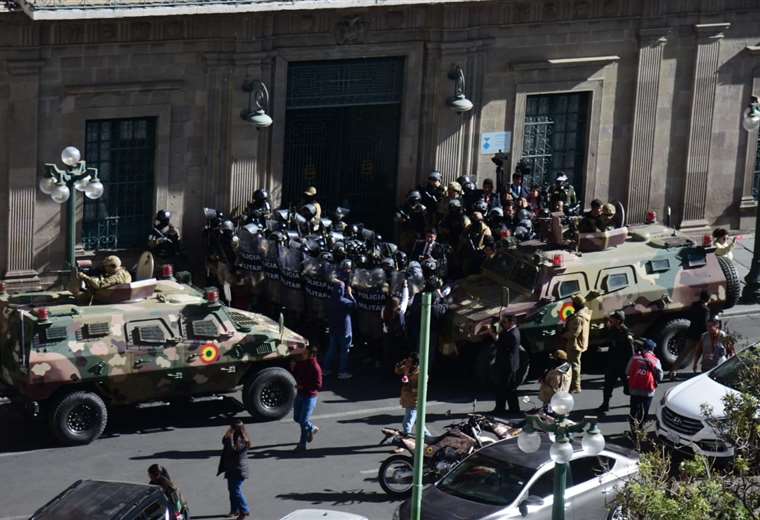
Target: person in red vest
644,374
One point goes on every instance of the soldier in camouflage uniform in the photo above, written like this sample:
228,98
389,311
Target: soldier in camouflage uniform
619,353
114,274
563,192
576,337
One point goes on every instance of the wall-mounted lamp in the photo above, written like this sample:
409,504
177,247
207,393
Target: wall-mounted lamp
751,119
258,103
458,102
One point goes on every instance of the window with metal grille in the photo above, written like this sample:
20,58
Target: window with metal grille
55,334
97,330
148,335
123,151
555,137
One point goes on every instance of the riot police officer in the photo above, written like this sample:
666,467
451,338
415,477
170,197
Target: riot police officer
470,194
432,193
412,218
563,192
163,241
259,209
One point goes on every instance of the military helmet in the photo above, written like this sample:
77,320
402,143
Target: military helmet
455,204
388,264
163,216
112,261
326,257
455,186
480,205
609,210
414,196
260,195
311,191
435,175
401,259
346,264
561,177
477,216
496,212
618,315
227,225
308,211
523,214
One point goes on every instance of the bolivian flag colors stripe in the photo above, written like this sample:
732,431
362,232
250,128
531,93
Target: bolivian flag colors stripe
566,311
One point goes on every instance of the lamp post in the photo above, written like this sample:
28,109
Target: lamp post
561,450
751,291
60,185
419,448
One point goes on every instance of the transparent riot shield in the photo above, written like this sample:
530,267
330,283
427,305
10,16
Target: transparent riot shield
316,279
271,266
369,288
250,257
290,258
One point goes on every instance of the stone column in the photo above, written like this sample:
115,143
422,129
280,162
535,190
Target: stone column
748,204
651,43
700,127
23,167
218,69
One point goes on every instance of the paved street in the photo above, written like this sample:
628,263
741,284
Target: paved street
338,472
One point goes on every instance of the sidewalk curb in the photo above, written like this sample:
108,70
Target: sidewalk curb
738,313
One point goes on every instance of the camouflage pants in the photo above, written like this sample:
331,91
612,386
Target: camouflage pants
574,358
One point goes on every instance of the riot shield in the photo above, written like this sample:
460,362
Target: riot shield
271,266
369,288
290,258
316,279
250,257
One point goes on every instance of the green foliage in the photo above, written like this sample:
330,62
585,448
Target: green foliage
696,489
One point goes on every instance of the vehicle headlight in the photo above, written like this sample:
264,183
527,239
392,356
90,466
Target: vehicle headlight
665,396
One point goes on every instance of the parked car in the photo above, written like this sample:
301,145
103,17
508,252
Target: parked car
321,514
680,421
106,500
500,481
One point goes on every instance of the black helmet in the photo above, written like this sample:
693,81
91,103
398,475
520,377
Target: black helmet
435,175
326,257
388,264
496,212
308,211
480,205
414,196
163,216
455,204
346,265
429,267
523,214
401,259
228,226
260,195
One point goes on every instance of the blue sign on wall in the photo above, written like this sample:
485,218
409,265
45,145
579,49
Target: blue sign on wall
492,142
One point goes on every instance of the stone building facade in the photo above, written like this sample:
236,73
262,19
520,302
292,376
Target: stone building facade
638,100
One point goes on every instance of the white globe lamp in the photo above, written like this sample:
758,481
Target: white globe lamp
529,441
562,403
94,189
71,156
60,194
593,441
47,185
561,452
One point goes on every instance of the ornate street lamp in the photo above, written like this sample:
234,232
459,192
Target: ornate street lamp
751,291
561,450
61,184
258,103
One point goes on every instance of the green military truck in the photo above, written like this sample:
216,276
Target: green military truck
650,272
149,341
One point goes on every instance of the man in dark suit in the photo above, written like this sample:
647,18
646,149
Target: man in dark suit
505,364
428,248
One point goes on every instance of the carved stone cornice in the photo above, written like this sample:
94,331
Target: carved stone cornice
137,86
711,31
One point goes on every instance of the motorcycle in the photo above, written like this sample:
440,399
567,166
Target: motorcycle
441,452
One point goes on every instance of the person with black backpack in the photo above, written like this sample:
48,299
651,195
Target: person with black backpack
644,374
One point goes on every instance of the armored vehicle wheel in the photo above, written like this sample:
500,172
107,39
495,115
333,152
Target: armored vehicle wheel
269,394
733,285
671,340
482,369
78,418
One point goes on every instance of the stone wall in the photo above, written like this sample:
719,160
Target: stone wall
669,80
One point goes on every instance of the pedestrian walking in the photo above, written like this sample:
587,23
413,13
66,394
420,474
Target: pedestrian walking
619,352
698,315
159,476
713,347
409,370
504,364
576,334
234,464
556,379
393,322
644,374
308,376
339,308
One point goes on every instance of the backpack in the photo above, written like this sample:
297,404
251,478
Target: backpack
641,374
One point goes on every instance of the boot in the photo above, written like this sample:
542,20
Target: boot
605,406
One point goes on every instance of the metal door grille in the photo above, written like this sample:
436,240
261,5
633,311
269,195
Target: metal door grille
555,136
123,151
348,145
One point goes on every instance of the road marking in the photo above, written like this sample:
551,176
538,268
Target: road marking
363,472
365,411
14,453
14,517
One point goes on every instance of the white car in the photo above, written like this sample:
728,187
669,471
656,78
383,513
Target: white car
680,421
321,514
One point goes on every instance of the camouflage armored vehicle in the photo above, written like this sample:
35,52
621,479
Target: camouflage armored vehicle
650,272
149,341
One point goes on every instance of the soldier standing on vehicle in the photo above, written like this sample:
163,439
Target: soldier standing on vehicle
620,342
576,335
608,217
473,243
504,364
163,241
563,192
114,274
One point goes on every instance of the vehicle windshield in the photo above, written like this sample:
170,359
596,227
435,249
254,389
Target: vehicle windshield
727,373
521,274
486,480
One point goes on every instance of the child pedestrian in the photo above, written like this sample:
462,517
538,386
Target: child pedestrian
409,370
556,379
308,376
